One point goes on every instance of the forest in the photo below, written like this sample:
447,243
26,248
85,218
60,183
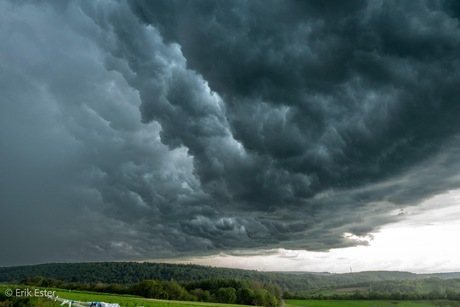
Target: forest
187,282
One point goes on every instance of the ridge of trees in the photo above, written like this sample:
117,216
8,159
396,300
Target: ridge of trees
129,273
216,290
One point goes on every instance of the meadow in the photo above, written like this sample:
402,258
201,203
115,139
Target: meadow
122,300
136,301
130,300
369,303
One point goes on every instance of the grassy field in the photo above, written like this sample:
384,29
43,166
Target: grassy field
135,301
365,303
123,300
130,301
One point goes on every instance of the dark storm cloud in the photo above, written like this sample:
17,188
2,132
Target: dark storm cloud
82,177
344,93
262,124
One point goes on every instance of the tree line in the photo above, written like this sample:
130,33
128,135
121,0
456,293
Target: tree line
120,275
127,273
216,290
377,295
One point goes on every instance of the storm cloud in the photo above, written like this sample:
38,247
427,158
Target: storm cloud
140,129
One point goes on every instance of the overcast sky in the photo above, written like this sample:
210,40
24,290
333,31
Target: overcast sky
244,130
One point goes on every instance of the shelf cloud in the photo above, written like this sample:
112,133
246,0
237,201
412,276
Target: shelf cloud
135,130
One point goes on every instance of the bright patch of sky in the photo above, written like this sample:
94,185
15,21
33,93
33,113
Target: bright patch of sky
424,242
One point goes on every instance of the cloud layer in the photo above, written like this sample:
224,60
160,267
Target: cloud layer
134,130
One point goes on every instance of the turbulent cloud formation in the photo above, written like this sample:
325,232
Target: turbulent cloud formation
140,129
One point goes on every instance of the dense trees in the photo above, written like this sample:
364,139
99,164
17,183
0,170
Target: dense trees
127,273
231,291
226,295
266,294
200,283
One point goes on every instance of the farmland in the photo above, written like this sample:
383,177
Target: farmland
136,301
373,303
122,300
150,284
129,300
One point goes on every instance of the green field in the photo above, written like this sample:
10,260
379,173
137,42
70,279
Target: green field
135,301
369,303
123,300
129,300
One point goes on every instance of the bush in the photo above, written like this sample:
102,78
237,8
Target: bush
226,295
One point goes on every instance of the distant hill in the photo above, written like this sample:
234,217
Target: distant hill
132,272
442,275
